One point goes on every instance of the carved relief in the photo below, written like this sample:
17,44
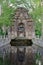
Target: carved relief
23,23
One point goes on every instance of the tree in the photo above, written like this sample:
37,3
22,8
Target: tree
9,6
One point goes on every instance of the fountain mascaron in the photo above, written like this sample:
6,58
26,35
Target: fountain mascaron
22,28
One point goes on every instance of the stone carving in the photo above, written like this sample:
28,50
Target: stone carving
22,24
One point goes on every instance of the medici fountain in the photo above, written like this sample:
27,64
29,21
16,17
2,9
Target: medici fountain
21,49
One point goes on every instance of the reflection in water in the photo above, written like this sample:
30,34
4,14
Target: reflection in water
21,56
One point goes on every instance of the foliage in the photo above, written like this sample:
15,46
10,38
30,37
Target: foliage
1,61
37,55
34,7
